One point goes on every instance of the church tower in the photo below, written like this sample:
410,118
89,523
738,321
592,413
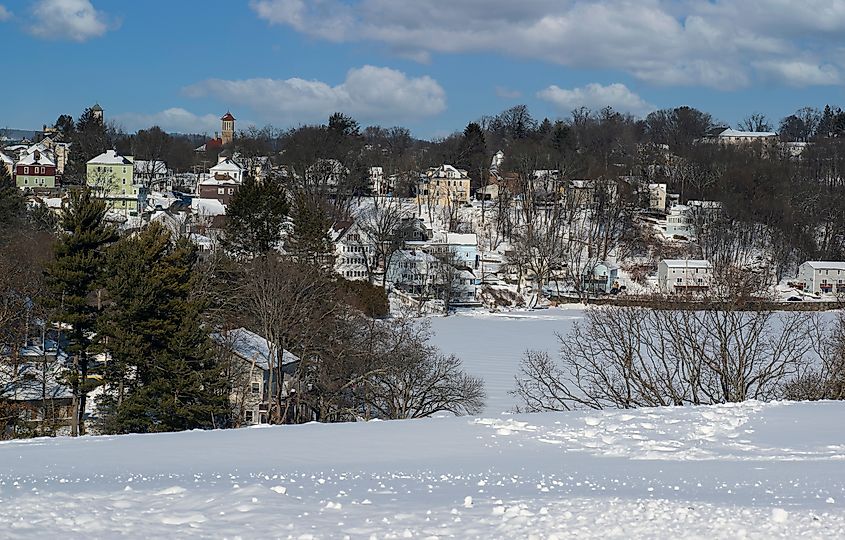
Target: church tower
228,130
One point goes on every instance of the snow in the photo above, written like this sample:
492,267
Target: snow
110,157
752,470
491,345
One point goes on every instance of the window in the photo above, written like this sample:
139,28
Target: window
221,191
680,280
248,416
26,170
256,388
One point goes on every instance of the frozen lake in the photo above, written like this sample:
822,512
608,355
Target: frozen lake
491,345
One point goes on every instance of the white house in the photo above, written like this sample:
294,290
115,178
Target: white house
251,356
684,275
354,252
413,271
150,172
228,167
677,222
823,277
733,136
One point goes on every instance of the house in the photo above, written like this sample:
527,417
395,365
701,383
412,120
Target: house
603,278
657,197
443,186
490,192
36,170
32,381
251,359
228,167
458,249
354,252
112,177
220,186
822,277
413,271
465,287
150,172
684,275
677,222
378,183
733,136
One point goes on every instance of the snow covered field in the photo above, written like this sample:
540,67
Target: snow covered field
743,471
491,345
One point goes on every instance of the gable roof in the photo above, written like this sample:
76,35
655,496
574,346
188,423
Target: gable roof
826,265
37,158
687,263
110,157
228,117
251,347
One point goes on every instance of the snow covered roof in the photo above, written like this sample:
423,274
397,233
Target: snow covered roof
207,207
37,158
251,347
826,265
6,159
687,263
110,157
228,116
457,239
736,133
227,165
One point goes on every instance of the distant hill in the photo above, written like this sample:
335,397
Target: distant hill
17,134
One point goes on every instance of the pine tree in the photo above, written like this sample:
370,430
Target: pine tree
12,204
309,242
255,217
72,279
163,376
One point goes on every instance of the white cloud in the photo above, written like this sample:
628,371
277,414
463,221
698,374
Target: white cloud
723,44
507,93
5,14
596,96
173,120
800,73
74,20
369,94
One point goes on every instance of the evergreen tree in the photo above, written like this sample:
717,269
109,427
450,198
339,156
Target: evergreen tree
309,242
255,217
90,139
72,279
12,204
163,376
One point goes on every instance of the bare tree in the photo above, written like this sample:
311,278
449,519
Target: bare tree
629,357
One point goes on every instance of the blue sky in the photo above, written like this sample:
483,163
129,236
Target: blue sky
431,65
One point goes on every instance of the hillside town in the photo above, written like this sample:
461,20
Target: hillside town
448,220
518,214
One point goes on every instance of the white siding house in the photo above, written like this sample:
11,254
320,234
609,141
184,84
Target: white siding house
823,277
250,356
684,275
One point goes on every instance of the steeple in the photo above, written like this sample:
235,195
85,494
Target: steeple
228,128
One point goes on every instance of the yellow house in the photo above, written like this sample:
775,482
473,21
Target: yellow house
444,185
111,176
